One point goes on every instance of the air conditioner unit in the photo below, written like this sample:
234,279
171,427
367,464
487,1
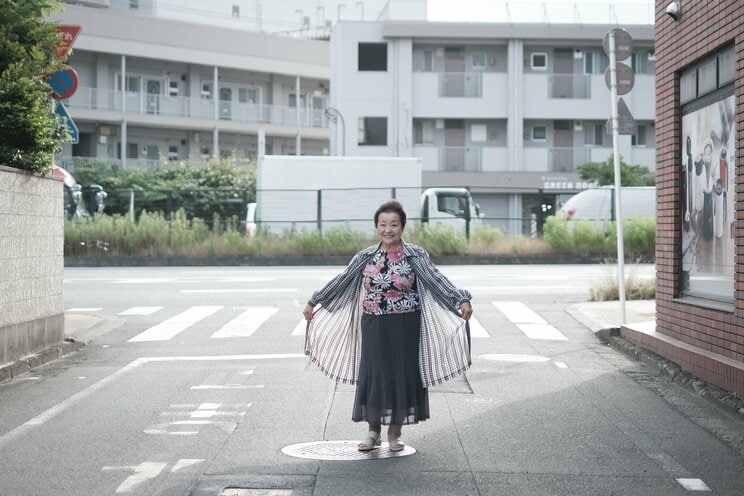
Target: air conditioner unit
578,126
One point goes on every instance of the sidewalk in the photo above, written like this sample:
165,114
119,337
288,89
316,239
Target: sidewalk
605,315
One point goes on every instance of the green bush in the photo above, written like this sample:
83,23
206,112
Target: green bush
438,239
586,239
556,233
30,133
639,235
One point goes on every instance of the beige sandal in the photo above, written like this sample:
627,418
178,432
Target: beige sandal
395,443
371,442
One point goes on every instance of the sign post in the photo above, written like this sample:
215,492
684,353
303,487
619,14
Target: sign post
618,44
64,83
72,129
68,34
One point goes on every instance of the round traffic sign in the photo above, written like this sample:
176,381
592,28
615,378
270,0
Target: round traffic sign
625,78
64,83
623,43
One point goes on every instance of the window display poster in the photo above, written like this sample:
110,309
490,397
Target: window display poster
708,193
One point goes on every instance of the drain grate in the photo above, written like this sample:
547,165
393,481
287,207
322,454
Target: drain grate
342,450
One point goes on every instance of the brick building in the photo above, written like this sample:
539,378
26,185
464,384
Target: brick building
700,212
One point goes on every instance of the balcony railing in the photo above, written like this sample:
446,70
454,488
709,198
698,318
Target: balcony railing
567,159
460,158
196,108
570,86
70,163
462,84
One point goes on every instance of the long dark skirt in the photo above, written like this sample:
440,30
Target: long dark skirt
389,390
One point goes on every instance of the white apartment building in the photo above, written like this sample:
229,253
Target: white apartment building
153,89
508,110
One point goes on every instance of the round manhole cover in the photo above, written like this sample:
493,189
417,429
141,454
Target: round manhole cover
342,450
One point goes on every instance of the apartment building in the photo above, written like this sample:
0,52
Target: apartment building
153,89
508,110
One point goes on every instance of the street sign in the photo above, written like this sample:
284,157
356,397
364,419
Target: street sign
626,123
625,78
64,83
623,43
69,34
61,111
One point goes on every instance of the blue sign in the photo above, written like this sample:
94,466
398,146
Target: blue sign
64,83
61,111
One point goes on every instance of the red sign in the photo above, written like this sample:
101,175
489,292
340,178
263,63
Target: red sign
64,83
69,35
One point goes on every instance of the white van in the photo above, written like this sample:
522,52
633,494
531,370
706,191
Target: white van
598,204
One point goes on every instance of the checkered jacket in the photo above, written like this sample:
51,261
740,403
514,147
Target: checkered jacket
333,337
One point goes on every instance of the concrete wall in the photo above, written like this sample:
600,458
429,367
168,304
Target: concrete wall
31,266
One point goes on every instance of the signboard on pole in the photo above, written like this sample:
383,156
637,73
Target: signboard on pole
626,123
624,75
64,83
72,129
69,34
623,43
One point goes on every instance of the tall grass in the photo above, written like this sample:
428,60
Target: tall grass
154,235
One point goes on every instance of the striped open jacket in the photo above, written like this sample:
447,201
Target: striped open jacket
333,337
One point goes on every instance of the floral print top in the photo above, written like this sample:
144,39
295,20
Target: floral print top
389,284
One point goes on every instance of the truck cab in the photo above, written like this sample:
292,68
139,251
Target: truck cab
453,207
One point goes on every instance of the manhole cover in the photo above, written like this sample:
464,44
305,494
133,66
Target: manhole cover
342,450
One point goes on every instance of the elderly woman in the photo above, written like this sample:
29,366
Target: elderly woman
389,324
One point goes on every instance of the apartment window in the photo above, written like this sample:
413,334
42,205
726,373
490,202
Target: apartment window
206,90
539,133
236,10
372,131
428,60
594,135
132,150
479,60
172,153
248,95
132,82
372,57
293,100
539,61
173,88
639,139
423,132
133,4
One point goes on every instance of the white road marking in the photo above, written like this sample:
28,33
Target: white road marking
542,331
530,323
300,328
520,289
186,464
246,323
142,472
140,311
84,309
561,365
52,412
477,330
507,357
693,484
242,290
518,312
226,386
176,324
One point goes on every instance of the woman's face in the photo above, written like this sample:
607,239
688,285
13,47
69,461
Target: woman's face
389,229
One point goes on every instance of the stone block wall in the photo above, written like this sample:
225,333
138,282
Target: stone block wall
31,265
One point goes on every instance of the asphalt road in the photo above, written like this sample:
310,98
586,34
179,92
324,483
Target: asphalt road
193,381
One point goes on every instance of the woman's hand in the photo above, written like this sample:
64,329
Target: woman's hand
466,310
308,312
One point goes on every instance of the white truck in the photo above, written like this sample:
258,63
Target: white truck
322,192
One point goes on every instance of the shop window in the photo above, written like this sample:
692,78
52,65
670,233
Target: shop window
372,56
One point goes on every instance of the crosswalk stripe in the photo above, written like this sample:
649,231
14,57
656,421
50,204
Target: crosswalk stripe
171,327
246,323
518,312
140,311
300,328
477,330
530,323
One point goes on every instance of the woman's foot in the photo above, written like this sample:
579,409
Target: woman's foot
395,444
372,441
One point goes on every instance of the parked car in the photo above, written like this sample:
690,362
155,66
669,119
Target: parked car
597,205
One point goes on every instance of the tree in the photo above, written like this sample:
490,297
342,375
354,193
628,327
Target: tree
30,133
603,173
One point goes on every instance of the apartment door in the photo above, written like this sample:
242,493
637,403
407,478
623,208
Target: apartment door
563,68
563,156
226,103
454,72
153,96
454,145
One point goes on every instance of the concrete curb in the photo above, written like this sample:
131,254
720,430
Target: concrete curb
31,362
